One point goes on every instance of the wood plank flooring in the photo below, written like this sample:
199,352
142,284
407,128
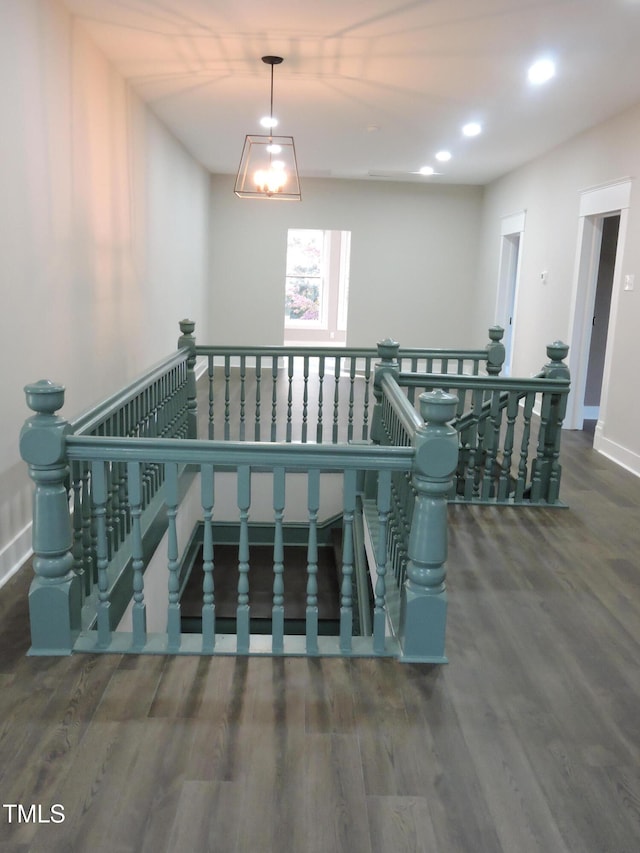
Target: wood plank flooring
528,741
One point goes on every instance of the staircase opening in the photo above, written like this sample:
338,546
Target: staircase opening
261,580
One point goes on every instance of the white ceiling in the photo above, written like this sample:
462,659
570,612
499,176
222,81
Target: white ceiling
375,86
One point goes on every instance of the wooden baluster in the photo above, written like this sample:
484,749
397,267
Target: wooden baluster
274,397
243,393
88,544
305,397
539,468
352,380
312,563
505,472
208,588
99,496
379,609
367,395
277,611
138,613
320,398
495,423
521,483
173,562
211,377
289,396
242,611
116,517
227,396
411,391
336,398
78,566
109,513
258,373
190,428
346,596
479,454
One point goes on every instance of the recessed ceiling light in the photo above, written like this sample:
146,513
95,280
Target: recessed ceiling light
472,129
268,121
426,170
541,71
443,156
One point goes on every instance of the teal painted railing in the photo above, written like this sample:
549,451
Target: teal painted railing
508,454
128,463
315,395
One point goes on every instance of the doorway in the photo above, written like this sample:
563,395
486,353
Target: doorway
511,236
610,227
602,227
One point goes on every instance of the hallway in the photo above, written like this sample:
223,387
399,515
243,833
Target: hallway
528,740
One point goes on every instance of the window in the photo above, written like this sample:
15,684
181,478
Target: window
317,286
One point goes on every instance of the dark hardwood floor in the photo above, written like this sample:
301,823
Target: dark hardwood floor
528,740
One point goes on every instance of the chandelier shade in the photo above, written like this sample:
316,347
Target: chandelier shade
268,166
268,169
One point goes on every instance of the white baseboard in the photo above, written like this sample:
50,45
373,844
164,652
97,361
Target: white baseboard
616,452
15,553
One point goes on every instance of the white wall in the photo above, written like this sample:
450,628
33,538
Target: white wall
103,233
549,190
413,260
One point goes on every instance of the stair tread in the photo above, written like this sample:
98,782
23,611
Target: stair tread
225,576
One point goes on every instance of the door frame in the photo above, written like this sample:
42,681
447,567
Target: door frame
595,204
509,279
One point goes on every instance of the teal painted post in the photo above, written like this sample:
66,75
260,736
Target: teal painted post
546,469
208,586
173,558
495,351
313,494
243,610
139,608
388,355
346,592
423,607
277,609
55,596
187,340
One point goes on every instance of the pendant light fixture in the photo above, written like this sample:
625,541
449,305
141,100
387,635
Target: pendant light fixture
268,167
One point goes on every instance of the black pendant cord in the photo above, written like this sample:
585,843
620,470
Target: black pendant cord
271,104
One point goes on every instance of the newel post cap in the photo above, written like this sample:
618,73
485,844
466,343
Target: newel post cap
388,349
42,438
557,351
44,397
556,368
436,442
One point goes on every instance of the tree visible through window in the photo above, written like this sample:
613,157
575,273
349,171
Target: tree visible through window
305,263
317,285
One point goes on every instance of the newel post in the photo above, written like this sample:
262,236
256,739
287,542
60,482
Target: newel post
55,596
388,355
423,608
495,351
547,471
187,340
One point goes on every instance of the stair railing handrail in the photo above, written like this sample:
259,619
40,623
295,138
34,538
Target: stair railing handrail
97,415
